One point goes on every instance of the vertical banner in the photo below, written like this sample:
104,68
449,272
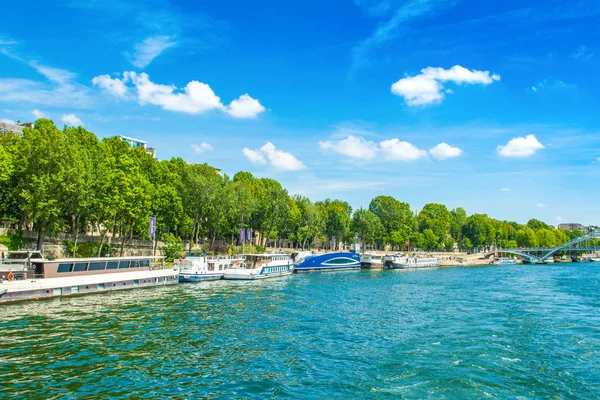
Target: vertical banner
407,243
249,235
242,235
152,226
332,240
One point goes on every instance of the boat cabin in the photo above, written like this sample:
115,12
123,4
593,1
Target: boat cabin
31,264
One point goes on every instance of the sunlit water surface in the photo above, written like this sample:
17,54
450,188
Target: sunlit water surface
497,332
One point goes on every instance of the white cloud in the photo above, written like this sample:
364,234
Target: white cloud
394,149
583,53
428,88
551,84
520,147
195,98
505,190
114,86
352,146
281,159
540,205
149,49
7,121
202,147
38,114
278,159
245,107
443,151
559,218
71,119
255,157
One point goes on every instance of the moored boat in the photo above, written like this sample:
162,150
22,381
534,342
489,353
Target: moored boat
260,266
400,261
328,262
28,275
372,261
200,267
504,261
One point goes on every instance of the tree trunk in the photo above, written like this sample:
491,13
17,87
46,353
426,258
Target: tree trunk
76,227
40,238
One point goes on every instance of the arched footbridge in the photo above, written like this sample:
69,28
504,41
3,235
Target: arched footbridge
583,243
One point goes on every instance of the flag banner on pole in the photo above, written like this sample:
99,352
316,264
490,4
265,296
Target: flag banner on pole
332,241
152,226
242,235
249,235
407,243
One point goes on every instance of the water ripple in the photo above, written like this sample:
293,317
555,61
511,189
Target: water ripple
514,332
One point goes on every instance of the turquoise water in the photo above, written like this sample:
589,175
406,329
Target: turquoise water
497,332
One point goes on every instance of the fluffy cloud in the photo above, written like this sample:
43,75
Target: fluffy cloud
428,88
38,114
195,98
278,159
244,107
114,86
391,149
201,148
395,149
149,49
520,147
352,146
443,151
7,121
71,119
255,157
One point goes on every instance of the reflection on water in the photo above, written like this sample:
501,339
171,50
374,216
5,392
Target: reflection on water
449,333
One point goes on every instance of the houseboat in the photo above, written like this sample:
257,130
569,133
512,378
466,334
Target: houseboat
27,275
328,262
372,261
400,261
260,266
200,267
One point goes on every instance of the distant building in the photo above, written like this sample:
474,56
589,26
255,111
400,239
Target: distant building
571,227
15,128
133,143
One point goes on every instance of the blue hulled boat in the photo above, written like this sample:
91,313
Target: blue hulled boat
328,262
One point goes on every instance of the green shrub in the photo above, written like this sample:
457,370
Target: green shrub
14,241
259,249
172,248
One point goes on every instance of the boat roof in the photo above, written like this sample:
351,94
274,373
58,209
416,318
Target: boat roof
89,259
265,255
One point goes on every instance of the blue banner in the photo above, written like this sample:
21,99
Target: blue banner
152,226
249,235
242,235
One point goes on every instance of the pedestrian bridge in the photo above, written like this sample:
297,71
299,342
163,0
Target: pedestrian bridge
583,243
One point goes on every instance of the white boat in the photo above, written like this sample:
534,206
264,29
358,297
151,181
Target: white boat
196,268
400,261
504,261
260,266
28,275
372,261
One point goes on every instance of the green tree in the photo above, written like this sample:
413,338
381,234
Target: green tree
367,226
526,237
435,217
172,248
458,219
395,216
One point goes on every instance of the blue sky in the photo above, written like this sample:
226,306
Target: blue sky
492,107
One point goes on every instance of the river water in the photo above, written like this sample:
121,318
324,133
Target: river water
498,332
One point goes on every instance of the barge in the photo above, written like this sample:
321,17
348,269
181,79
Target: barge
27,275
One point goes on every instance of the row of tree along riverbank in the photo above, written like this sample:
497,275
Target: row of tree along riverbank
54,180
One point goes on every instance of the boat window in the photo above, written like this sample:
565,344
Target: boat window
144,263
97,266
35,255
64,267
134,264
79,267
112,265
124,264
